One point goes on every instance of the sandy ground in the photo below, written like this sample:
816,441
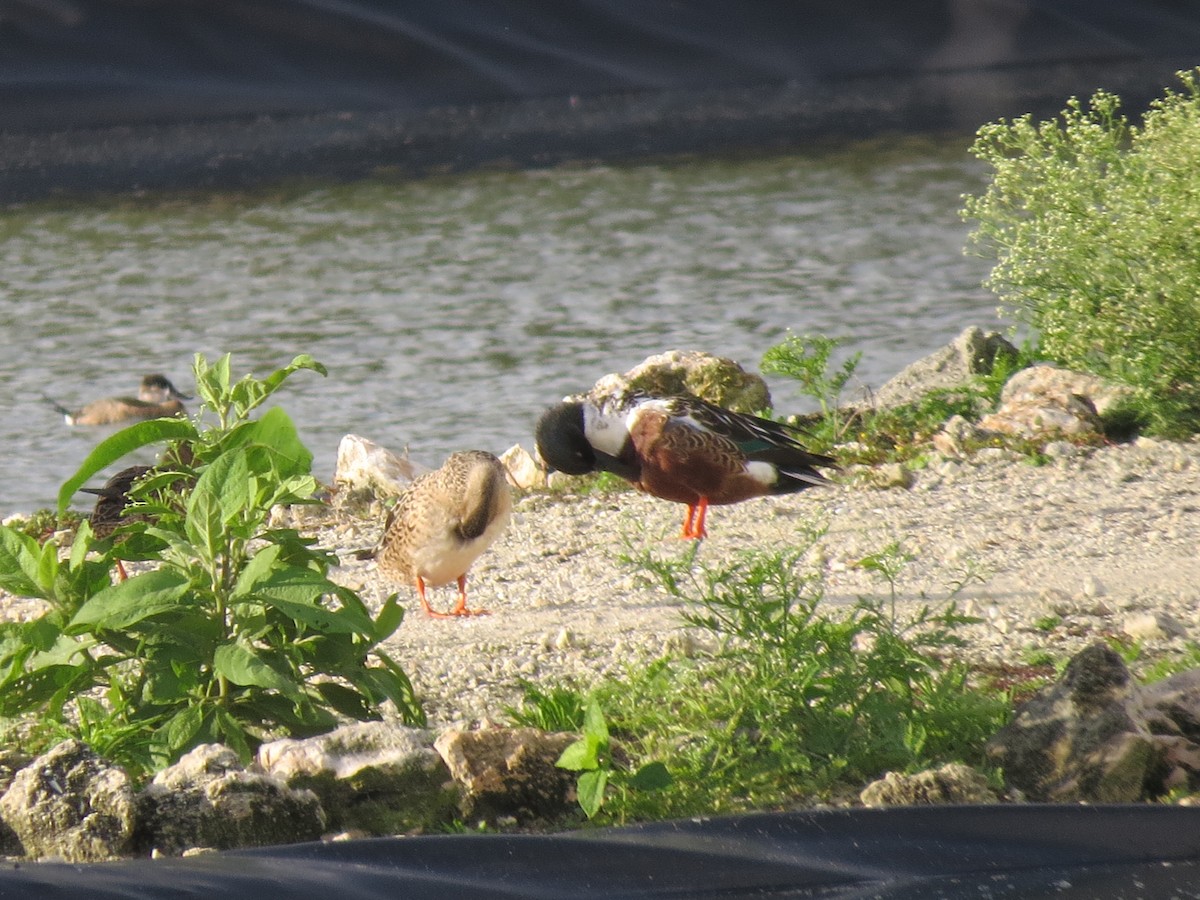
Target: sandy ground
1095,543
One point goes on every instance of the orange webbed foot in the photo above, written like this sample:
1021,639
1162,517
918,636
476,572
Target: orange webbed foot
460,609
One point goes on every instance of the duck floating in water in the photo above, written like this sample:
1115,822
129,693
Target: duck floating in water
678,448
157,398
442,522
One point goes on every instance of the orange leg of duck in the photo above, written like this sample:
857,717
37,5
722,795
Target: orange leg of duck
693,525
460,608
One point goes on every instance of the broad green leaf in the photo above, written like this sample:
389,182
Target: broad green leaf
212,381
182,729
391,614
313,614
139,545
275,489
65,651
41,633
272,382
47,571
38,690
243,666
229,478
651,777
118,445
325,650
594,725
297,714
220,496
258,568
276,432
347,701
162,685
583,754
297,593
81,544
590,788
238,436
231,732
250,393
19,558
129,602
390,682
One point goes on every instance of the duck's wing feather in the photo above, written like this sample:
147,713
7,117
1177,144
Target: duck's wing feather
759,438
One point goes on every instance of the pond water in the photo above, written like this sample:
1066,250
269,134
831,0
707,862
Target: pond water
451,310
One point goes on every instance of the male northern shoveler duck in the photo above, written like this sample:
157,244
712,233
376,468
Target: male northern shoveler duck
157,398
678,448
442,522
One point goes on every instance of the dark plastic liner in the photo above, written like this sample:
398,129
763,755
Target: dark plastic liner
119,95
1094,852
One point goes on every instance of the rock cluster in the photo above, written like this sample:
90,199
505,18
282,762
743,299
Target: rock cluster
973,352
364,779
365,467
72,805
951,783
714,378
1097,736
1045,399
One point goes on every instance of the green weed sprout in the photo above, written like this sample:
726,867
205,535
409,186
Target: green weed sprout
593,758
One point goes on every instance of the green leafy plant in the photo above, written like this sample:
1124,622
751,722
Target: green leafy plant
592,756
806,360
1095,227
862,691
43,523
1187,659
234,634
789,700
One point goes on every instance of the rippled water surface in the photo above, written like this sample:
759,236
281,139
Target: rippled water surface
450,311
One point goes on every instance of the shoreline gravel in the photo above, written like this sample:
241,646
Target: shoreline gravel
1095,543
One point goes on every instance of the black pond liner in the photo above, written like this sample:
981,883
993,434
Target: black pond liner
114,96
1095,852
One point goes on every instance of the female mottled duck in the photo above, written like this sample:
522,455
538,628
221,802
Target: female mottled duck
442,522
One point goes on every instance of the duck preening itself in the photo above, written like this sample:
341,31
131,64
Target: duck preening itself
679,448
442,522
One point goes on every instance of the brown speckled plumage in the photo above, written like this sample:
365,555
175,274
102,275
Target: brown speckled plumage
112,499
441,524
